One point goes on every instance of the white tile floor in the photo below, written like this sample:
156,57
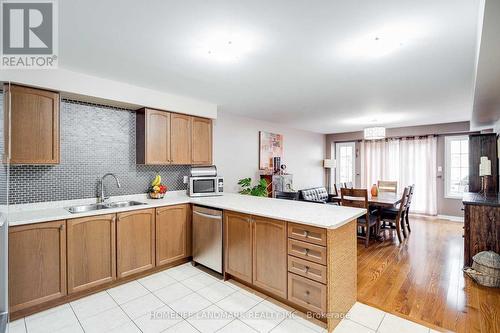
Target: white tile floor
187,299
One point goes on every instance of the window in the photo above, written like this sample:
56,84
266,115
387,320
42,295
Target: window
456,166
345,156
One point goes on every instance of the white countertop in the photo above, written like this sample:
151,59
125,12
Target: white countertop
320,215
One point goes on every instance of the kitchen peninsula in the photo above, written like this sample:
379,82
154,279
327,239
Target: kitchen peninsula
302,254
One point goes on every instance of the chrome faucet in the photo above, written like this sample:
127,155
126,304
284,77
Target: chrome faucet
102,196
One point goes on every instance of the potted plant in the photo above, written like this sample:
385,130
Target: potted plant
259,190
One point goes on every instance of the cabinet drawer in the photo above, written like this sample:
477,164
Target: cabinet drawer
307,293
307,251
307,269
307,233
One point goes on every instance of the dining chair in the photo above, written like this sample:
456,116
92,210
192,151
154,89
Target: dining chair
338,186
408,204
395,216
387,186
348,185
358,198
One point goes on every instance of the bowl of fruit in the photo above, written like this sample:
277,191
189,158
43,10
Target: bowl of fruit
157,189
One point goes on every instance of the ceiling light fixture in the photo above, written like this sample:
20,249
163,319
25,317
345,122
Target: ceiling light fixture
374,133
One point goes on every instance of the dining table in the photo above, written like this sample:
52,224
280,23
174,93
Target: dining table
380,201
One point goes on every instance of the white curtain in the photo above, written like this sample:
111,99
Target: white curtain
407,161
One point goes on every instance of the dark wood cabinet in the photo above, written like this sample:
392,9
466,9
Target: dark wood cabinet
481,225
482,145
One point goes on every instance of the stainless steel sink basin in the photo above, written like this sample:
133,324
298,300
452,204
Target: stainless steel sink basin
92,207
85,208
121,204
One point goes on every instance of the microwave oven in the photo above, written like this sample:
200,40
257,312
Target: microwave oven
205,186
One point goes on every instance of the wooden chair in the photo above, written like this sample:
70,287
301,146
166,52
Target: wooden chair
387,186
395,216
338,186
359,198
348,185
408,204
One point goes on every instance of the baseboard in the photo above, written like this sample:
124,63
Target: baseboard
452,218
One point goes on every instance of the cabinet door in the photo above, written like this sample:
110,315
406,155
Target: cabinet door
37,264
157,137
270,255
34,126
238,245
172,234
91,252
135,245
201,141
180,138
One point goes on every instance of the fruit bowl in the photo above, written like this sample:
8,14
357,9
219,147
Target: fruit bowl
156,195
157,189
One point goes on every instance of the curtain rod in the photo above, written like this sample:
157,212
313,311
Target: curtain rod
411,136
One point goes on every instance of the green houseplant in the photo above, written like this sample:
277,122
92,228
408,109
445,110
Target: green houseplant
259,190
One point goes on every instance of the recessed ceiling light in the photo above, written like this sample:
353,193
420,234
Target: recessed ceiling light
382,41
225,46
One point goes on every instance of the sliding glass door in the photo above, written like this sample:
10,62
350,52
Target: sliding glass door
345,154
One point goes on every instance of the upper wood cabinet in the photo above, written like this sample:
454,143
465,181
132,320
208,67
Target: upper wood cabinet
34,125
153,137
238,245
91,250
37,264
201,141
180,138
135,242
270,255
173,233
172,138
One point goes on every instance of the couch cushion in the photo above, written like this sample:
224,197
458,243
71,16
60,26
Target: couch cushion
315,194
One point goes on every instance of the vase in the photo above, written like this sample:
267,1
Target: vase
374,190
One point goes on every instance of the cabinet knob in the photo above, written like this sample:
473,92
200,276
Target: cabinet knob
306,252
306,233
157,212
307,269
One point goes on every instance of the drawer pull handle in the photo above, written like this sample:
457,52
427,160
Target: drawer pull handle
306,252
307,269
306,233
307,292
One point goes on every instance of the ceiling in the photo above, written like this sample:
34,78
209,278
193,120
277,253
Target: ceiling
324,66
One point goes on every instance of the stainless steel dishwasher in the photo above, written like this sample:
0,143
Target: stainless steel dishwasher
207,237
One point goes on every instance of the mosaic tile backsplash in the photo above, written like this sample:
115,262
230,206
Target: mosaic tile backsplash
95,139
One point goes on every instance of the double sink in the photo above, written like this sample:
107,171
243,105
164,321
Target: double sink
99,206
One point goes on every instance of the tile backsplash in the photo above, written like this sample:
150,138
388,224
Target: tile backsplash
95,139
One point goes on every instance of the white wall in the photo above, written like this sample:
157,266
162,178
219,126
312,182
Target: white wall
236,151
94,89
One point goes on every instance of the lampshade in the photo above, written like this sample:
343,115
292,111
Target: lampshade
328,164
374,133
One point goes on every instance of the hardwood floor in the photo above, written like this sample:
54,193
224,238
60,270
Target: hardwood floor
422,279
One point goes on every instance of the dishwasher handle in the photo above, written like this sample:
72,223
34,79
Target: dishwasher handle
215,217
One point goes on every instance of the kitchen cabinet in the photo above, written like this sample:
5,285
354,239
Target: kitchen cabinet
180,138
270,255
153,137
173,233
135,242
34,125
91,251
37,264
238,245
201,141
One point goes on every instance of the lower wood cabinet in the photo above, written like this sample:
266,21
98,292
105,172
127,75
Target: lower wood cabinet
256,251
307,293
37,264
91,249
173,233
270,255
238,245
135,242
